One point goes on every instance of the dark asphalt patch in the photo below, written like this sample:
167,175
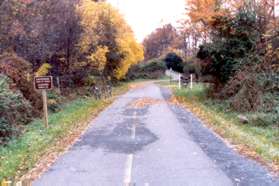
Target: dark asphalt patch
240,169
119,139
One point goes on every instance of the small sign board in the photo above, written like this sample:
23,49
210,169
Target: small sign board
43,82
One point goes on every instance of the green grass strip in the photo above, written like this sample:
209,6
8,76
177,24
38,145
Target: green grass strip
261,140
22,153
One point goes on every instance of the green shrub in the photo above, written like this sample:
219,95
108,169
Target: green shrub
264,119
192,67
230,50
54,101
90,80
189,68
153,69
153,65
14,110
174,62
199,92
20,72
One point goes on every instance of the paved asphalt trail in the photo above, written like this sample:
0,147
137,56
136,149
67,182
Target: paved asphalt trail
157,145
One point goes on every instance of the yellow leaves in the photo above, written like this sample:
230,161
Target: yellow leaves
106,32
99,59
4,183
94,16
144,102
43,70
133,52
137,50
88,10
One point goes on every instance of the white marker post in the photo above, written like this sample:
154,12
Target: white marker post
170,75
179,81
44,83
191,81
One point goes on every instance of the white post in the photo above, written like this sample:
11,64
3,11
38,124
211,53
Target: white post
191,81
170,75
44,94
179,81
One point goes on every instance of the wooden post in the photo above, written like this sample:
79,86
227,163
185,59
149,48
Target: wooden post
44,83
44,94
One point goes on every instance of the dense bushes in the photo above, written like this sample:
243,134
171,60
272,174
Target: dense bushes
244,66
174,62
234,40
14,110
152,69
54,101
20,72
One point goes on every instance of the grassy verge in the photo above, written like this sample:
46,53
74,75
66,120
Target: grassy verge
258,142
21,154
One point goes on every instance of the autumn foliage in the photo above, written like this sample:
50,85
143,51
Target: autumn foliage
161,41
107,37
237,47
78,42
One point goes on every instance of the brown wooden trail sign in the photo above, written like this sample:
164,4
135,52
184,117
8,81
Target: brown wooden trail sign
44,83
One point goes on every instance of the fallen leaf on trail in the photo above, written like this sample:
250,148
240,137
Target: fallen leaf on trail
143,102
140,85
174,101
137,85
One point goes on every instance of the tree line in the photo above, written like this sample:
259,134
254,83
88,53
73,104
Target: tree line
71,37
230,44
238,49
83,43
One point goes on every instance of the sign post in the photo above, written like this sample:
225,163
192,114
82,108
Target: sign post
44,94
44,83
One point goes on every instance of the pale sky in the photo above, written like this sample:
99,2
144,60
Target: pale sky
144,16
